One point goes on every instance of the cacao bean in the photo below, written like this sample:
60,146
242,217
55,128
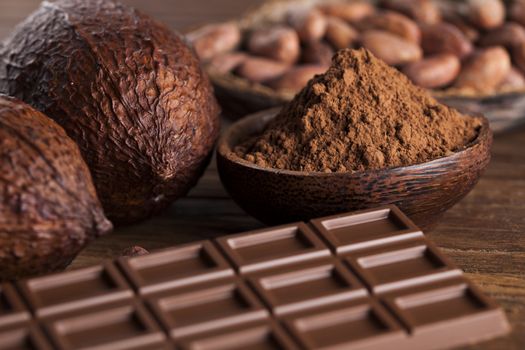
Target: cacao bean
317,52
279,43
226,62
391,48
340,34
485,70
486,14
434,72
509,35
297,78
394,23
215,39
350,12
422,11
445,38
258,69
513,81
310,24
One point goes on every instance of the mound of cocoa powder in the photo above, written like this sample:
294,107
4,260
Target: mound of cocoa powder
361,114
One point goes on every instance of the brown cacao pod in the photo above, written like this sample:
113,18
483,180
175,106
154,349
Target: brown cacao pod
127,89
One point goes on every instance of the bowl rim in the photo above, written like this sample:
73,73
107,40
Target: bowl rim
225,149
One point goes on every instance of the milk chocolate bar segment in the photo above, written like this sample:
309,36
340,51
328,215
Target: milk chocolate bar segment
356,325
265,335
206,309
401,265
268,248
325,283
446,314
127,326
176,267
365,229
55,294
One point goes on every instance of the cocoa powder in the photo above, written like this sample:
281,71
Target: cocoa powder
361,114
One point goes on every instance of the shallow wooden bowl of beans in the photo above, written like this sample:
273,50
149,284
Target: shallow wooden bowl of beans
470,53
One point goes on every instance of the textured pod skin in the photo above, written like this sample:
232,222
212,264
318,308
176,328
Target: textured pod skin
128,90
49,209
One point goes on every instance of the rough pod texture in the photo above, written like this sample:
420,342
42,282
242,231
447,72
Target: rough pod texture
49,209
128,90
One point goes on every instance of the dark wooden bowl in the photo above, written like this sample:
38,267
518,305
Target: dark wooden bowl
423,191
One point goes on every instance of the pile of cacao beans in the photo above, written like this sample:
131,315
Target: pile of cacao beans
470,46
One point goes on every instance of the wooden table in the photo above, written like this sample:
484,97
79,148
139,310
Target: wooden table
484,234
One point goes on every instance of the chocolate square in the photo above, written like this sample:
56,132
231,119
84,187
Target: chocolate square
127,326
360,324
452,310
365,229
259,336
207,309
401,265
262,249
51,295
181,266
299,288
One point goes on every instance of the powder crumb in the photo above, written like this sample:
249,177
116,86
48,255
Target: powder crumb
134,251
361,114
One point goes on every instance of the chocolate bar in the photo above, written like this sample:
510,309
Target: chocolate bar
363,280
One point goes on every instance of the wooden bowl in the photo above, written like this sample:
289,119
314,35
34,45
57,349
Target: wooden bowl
239,97
423,191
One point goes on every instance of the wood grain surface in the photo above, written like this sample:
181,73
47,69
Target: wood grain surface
484,233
